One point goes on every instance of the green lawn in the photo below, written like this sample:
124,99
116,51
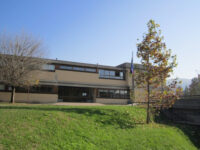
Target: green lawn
84,128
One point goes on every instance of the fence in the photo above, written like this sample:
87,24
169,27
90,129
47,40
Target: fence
186,110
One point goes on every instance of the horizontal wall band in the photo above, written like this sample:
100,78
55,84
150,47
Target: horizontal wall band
74,84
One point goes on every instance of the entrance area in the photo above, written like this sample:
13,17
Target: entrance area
75,94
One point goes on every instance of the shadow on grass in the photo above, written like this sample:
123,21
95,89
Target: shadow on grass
118,119
192,131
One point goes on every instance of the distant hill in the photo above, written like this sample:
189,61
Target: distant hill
185,82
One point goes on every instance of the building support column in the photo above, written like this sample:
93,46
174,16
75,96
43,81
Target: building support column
94,95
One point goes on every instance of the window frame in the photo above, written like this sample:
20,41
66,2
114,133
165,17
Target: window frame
76,68
105,74
113,95
49,67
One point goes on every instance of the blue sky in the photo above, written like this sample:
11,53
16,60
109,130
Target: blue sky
106,31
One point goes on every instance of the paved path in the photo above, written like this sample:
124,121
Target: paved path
78,104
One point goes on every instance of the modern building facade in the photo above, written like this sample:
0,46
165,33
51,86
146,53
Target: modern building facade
64,81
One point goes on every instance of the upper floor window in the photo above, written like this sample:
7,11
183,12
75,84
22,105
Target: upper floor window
48,67
66,67
110,74
78,68
75,68
90,69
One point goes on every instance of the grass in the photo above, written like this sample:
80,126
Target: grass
24,127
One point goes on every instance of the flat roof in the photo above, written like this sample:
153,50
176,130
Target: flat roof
118,67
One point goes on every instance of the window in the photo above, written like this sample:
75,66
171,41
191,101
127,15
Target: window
117,73
66,67
84,94
75,68
110,74
103,93
41,89
48,67
90,69
101,73
112,93
78,68
46,89
2,87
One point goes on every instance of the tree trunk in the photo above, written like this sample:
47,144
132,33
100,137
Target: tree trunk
13,95
162,91
148,102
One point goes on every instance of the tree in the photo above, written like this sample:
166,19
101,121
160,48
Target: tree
186,91
194,88
158,63
20,56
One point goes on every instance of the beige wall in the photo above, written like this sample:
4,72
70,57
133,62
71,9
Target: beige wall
29,98
84,77
46,75
78,77
91,78
140,95
111,101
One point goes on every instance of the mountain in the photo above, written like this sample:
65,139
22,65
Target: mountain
185,82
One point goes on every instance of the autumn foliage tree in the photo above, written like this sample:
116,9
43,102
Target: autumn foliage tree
158,63
20,55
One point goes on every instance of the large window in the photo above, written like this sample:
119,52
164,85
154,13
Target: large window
2,87
113,93
75,68
110,74
45,89
48,67
66,67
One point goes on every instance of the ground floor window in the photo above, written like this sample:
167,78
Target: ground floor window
75,94
2,87
44,89
113,93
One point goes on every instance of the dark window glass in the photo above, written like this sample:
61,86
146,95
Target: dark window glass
66,67
110,74
117,73
2,87
106,73
90,69
111,93
101,72
48,67
78,68
36,89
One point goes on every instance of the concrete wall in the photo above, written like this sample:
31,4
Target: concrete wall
76,77
111,101
84,77
29,98
140,95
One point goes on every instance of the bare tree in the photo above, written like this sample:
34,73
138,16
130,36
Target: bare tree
20,56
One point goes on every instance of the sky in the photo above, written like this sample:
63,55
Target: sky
106,31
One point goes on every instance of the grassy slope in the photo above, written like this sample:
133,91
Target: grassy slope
99,127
